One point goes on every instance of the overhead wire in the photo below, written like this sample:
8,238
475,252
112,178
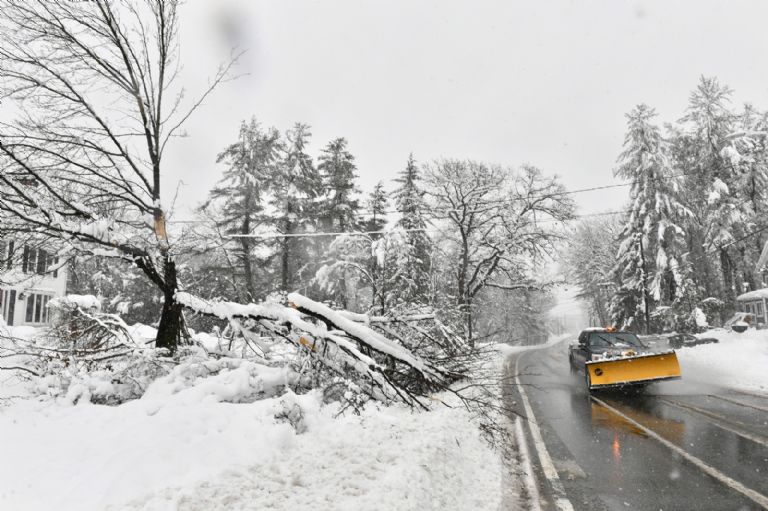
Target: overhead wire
515,199
511,199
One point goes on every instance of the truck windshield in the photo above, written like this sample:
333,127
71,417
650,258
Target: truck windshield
614,339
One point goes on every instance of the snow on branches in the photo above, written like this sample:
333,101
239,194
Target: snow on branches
389,371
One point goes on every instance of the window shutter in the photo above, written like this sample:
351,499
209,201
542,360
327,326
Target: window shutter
10,255
25,259
42,261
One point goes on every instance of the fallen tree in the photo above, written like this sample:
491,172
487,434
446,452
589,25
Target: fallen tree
388,371
352,358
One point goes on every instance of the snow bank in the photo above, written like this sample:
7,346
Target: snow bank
200,454
737,361
390,459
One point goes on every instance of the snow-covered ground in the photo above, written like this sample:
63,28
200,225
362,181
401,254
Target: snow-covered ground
206,455
738,361
181,447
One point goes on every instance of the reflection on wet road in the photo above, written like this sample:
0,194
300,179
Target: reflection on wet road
662,448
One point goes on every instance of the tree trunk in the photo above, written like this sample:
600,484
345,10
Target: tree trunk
245,244
468,316
726,266
171,328
644,269
285,283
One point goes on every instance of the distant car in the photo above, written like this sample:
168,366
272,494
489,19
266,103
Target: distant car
678,341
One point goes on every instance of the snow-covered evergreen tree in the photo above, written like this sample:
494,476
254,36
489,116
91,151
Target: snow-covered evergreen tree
294,187
252,162
746,152
340,207
710,184
377,206
416,259
652,241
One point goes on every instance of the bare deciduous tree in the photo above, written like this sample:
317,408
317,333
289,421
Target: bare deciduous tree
89,88
495,222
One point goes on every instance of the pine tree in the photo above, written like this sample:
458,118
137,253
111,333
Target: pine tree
415,262
710,182
746,153
377,209
251,161
338,171
651,243
295,185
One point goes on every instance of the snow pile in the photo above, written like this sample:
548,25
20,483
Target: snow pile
737,361
386,460
182,448
224,380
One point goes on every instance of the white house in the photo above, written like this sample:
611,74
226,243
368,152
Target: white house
29,278
754,303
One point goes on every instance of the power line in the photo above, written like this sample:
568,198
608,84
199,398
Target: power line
393,231
573,192
513,199
319,234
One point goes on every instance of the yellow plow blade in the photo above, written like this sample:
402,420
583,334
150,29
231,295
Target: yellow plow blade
633,370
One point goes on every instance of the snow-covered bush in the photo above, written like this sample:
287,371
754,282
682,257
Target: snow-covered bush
347,393
199,378
111,383
78,324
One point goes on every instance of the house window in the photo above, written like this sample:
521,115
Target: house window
759,306
7,305
37,260
37,310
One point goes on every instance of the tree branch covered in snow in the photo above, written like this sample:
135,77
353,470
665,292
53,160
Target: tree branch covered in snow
341,344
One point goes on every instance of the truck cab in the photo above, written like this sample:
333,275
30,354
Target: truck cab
602,343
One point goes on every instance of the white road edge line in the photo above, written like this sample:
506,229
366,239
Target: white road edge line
759,498
528,478
550,472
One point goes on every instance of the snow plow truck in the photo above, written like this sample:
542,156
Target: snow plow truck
611,358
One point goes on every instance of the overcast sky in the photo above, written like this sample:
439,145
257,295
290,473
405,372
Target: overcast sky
511,82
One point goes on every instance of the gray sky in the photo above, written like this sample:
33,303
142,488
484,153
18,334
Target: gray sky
546,83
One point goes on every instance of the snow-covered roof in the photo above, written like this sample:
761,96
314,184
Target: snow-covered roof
757,294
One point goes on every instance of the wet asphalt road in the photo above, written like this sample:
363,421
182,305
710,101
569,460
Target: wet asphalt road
605,462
